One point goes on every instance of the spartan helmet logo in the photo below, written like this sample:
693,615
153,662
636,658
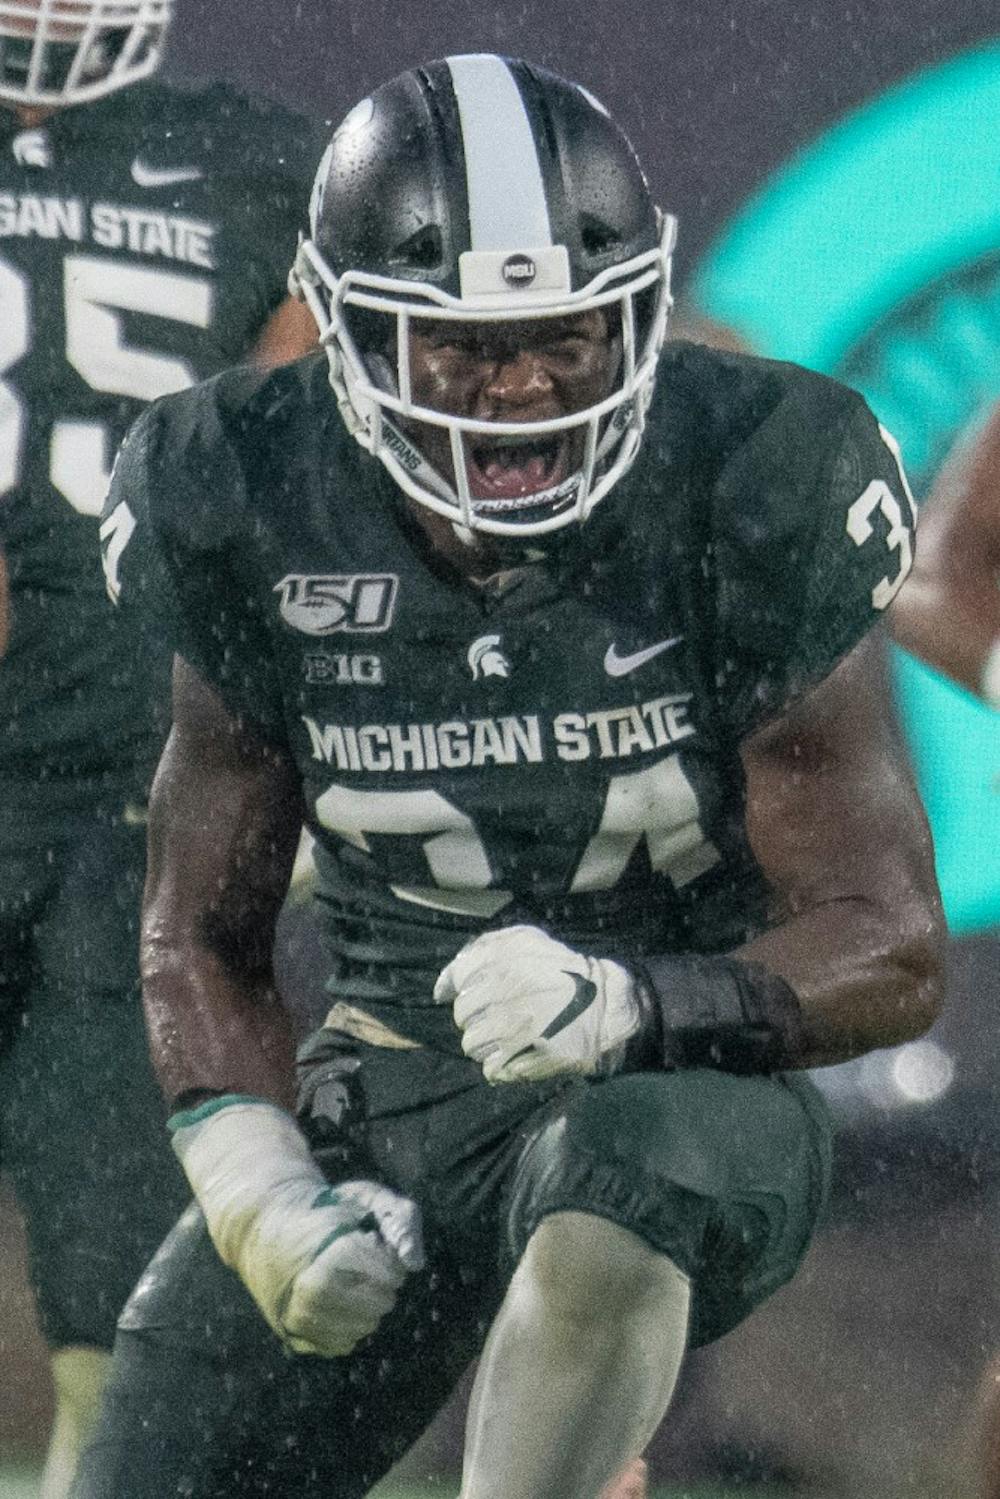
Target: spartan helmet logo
31,148
486,659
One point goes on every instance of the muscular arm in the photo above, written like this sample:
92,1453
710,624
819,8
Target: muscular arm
948,612
851,961
838,829
225,817
323,1267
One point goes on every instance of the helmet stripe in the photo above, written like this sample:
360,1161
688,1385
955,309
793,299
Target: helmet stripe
507,204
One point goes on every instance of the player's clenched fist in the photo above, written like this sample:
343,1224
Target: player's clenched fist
530,1007
323,1263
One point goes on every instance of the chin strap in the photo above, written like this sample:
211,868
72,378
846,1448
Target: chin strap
418,469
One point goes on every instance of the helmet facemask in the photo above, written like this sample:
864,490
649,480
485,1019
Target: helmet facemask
61,52
370,373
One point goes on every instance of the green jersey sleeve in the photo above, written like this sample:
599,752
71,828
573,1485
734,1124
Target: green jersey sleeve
175,559
814,534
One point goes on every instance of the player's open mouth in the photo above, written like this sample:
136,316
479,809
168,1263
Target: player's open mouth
512,468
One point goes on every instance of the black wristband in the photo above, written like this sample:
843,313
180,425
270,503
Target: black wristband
713,1012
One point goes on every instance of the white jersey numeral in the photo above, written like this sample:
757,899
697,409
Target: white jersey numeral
115,533
97,293
878,496
15,340
658,804
456,856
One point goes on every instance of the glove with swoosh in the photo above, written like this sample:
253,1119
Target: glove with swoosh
529,1007
323,1263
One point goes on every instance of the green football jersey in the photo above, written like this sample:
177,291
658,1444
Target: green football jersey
144,241
563,751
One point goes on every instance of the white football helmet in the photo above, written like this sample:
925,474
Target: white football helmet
484,189
57,52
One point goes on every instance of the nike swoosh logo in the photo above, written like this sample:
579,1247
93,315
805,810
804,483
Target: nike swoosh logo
163,176
620,666
583,997
584,994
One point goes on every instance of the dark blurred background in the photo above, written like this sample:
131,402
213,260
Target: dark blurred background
860,1378
714,93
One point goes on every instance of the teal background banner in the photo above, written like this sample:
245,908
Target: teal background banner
874,254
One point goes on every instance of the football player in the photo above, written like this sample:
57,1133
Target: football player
145,239
4,605
558,639
949,611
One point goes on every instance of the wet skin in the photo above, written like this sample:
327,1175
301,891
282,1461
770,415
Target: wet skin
526,371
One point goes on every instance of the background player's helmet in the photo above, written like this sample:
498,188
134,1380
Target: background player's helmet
55,52
483,188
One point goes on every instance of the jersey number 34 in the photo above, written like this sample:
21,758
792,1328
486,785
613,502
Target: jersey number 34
96,294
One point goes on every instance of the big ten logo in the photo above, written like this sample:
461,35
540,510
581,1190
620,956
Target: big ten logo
322,605
341,669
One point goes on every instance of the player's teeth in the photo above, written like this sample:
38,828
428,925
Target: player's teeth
496,462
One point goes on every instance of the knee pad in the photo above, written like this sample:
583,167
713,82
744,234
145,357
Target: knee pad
591,1266
723,1175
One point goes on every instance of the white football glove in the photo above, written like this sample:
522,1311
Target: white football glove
530,1007
323,1263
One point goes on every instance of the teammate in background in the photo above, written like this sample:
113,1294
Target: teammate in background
558,639
4,605
145,241
949,611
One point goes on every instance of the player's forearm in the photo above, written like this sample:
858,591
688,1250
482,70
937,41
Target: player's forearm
860,979
224,822
955,631
212,1028
529,1007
